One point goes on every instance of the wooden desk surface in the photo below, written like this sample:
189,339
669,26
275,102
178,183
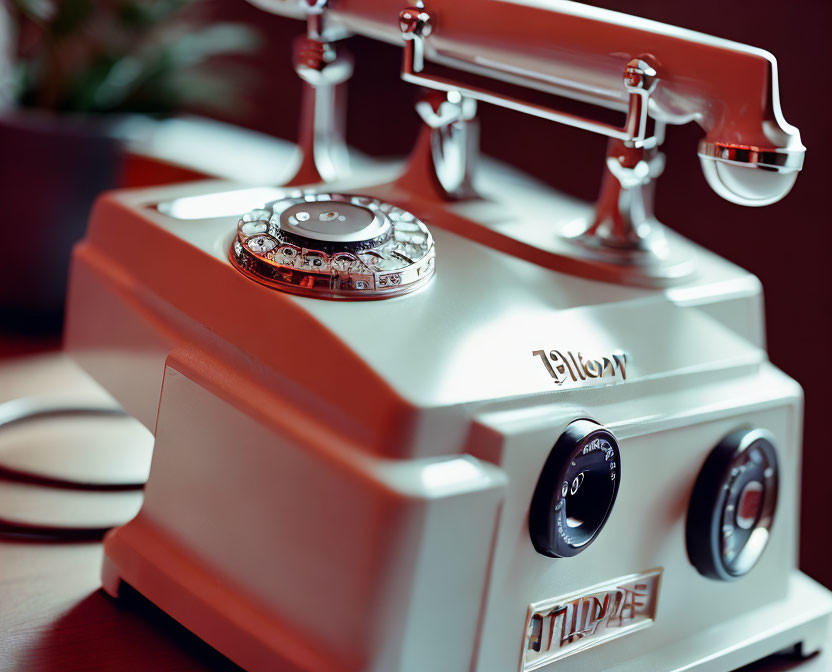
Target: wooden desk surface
53,617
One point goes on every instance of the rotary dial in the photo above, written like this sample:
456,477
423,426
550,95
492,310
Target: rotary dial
334,246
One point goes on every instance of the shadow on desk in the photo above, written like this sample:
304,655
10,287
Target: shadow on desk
130,633
782,662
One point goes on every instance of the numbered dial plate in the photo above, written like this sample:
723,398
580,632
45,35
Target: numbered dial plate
732,505
334,246
576,490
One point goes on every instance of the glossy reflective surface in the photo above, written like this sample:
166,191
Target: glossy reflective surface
334,246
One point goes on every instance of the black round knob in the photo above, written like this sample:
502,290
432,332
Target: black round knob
732,505
576,490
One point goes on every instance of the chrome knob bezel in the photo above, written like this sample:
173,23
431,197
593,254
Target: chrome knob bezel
718,545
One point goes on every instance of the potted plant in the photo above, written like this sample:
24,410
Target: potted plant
72,72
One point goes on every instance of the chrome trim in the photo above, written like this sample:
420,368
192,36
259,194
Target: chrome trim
454,142
640,81
391,254
325,69
768,158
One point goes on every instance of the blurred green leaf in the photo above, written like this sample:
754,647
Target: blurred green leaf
141,13
151,56
215,40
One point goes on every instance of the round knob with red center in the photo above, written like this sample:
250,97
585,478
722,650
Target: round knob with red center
732,506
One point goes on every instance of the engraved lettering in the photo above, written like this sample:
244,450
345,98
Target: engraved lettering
592,368
615,612
562,366
555,628
575,362
621,360
537,632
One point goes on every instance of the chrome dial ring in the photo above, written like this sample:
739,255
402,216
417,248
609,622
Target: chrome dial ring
336,246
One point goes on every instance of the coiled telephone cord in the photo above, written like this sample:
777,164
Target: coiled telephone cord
19,411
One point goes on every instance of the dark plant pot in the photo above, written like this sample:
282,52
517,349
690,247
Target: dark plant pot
51,170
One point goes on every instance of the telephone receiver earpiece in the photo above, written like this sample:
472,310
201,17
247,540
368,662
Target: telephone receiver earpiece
747,180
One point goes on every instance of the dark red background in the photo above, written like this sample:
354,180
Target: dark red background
786,245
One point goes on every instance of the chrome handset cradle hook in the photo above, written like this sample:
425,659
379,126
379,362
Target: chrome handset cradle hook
325,69
623,233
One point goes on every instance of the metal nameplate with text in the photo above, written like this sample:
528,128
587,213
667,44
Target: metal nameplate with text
562,626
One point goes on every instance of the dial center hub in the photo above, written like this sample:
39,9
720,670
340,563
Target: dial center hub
327,217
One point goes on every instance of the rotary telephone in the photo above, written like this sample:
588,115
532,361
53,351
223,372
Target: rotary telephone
440,416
